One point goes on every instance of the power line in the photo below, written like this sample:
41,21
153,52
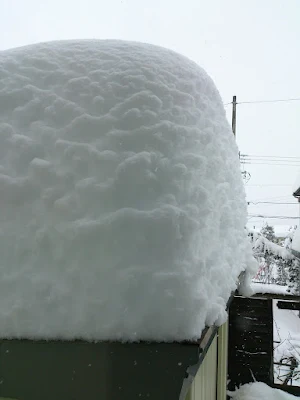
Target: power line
250,159
270,202
254,221
269,101
272,198
273,164
266,101
259,221
263,156
270,184
272,216
270,162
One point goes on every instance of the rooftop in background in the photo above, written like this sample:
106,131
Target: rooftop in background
297,193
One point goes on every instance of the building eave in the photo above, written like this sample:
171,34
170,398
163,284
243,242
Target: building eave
297,193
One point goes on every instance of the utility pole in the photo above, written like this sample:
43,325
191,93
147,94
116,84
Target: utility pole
234,103
245,174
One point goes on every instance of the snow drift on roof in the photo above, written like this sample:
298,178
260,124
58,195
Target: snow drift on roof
122,204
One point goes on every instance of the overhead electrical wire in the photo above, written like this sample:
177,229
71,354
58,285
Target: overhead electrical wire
272,216
270,202
270,184
255,221
263,156
268,160
273,164
265,101
287,161
269,101
272,198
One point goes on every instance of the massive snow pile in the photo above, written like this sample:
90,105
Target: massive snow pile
122,204
258,391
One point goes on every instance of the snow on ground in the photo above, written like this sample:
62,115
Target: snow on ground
122,204
268,288
260,391
286,342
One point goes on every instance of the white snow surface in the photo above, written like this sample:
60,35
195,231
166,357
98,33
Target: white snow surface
286,325
122,204
259,242
296,240
268,288
260,391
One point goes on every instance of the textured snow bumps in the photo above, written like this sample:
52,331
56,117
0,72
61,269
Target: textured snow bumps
121,200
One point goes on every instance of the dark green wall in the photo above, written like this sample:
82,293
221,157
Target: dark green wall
40,370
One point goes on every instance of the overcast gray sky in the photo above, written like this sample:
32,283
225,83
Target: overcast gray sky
249,47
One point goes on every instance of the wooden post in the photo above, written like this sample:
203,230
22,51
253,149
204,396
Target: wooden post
234,103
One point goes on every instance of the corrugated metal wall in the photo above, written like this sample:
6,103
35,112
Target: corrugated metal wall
222,362
210,382
206,380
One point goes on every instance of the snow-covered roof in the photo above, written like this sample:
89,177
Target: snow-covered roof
122,204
